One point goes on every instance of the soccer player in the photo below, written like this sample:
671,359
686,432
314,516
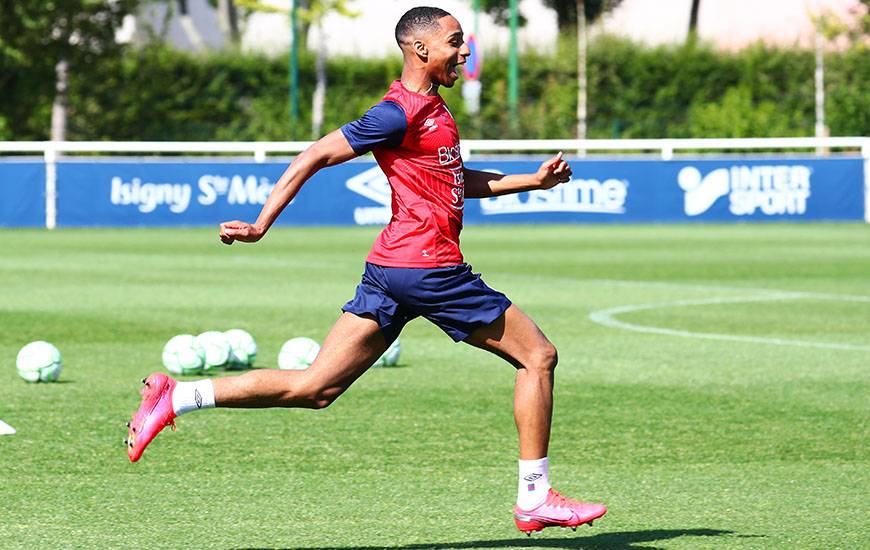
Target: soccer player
415,268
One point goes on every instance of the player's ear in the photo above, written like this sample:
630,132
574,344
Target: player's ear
421,49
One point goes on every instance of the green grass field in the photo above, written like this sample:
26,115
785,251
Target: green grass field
713,390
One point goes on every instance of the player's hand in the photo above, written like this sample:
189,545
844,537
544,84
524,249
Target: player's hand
240,231
553,172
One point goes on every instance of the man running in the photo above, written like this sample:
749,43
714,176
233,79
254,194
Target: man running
415,268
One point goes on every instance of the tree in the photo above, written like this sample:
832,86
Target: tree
570,13
584,14
228,19
566,10
189,27
41,38
693,20
310,13
314,14
856,30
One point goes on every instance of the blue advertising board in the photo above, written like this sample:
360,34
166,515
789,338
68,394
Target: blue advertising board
196,192
22,194
732,190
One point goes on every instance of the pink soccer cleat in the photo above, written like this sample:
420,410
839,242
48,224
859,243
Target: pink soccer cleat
155,413
557,511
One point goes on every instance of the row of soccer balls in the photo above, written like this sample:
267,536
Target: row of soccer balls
186,354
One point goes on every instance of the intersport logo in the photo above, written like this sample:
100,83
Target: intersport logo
772,190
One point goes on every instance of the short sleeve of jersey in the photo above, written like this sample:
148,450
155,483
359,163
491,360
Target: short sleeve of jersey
383,125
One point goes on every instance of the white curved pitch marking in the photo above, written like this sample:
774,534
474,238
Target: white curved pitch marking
690,286
606,317
766,291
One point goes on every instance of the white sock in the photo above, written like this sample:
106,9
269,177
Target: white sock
192,396
534,483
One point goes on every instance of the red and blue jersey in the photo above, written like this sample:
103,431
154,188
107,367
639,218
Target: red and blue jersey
415,141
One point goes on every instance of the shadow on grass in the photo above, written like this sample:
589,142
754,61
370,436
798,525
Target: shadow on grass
625,540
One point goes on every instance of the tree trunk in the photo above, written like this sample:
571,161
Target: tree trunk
58,108
228,20
319,98
304,25
190,30
693,20
821,129
581,69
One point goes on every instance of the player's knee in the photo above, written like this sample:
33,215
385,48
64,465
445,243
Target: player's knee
321,403
544,358
319,398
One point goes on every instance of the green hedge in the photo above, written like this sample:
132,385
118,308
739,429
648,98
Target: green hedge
678,91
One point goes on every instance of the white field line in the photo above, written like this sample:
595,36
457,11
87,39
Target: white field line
765,291
6,429
607,318
689,286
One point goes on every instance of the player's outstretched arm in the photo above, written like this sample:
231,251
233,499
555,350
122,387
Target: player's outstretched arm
480,184
329,150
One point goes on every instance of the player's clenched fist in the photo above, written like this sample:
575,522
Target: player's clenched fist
239,231
553,172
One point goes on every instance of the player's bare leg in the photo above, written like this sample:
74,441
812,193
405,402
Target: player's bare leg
516,338
352,346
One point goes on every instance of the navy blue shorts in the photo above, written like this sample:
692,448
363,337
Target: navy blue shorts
454,298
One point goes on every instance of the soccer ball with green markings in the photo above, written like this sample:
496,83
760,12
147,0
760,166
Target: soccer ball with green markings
217,348
183,355
390,358
39,362
298,353
243,348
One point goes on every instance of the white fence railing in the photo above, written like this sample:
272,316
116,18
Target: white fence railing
260,149
666,148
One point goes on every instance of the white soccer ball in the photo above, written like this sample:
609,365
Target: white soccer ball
182,354
390,357
243,348
298,353
217,348
39,362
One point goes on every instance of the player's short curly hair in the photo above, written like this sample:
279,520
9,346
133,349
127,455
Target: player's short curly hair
419,19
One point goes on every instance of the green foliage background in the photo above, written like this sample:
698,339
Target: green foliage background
635,92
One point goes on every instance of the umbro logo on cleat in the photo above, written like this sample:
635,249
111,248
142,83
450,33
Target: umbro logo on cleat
198,397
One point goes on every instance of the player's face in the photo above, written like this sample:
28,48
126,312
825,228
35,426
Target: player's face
447,50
